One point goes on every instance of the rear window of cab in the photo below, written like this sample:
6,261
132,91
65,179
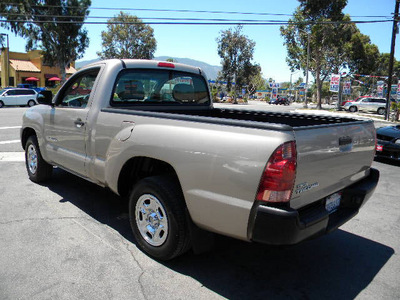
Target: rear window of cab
159,87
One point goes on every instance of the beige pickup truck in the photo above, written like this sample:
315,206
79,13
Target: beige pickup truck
148,131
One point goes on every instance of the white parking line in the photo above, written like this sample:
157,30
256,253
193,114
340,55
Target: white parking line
10,142
12,156
10,127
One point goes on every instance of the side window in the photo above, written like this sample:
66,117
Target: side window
11,93
77,93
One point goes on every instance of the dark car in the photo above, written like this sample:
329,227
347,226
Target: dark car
280,100
388,145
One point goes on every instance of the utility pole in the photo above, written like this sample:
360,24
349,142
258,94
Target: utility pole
308,62
391,60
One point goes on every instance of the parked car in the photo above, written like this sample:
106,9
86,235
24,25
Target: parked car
388,142
30,86
354,100
280,101
370,104
17,96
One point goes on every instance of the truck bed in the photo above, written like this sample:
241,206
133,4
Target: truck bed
235,117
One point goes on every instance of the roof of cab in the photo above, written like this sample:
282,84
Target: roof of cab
149,64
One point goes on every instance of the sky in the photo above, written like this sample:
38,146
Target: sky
199,41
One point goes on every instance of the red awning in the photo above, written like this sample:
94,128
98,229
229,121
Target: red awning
55,78
32,79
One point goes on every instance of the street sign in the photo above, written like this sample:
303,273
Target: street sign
335,81
398,90
347,88
379,88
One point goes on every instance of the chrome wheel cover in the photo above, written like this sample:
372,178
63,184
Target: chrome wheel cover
151,220
32,159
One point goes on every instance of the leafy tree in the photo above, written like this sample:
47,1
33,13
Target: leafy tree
256,82
127,37
236,51
382,68
327,40
54,26
363,56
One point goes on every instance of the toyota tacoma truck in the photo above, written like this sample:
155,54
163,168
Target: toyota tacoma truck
149,132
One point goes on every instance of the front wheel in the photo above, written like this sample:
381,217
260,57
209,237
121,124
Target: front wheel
38,169
381,111
1,104
158,219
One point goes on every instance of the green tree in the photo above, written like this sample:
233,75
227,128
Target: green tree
363,55
236,51
256,82
127,37
54,26
382,68
321,24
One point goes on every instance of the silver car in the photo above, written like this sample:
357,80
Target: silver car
370,104
18,96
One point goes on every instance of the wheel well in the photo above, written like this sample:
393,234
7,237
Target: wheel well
138,168
25,136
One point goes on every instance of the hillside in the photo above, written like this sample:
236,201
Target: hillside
210,70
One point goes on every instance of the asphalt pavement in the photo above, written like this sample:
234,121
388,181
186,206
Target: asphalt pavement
70,239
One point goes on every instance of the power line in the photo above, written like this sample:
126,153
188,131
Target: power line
163,18
231,22
178,10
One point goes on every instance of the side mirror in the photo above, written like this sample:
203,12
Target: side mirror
45,97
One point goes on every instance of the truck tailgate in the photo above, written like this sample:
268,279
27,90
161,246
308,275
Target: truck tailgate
329,158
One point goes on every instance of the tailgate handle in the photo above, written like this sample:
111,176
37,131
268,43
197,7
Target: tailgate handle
345,140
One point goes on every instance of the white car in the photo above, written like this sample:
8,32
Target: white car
18,96
371,104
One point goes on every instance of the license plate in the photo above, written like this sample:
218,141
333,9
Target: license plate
332,202
379,148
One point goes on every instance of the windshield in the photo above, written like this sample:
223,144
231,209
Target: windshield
155,87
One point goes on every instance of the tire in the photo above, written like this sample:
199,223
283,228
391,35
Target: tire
352,108
158,218
381,111
31,103
38,169
1,104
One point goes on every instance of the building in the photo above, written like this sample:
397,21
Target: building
23,66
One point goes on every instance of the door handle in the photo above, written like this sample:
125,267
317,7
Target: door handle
79,123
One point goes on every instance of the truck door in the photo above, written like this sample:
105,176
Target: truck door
66,123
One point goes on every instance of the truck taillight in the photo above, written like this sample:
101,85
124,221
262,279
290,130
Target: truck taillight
278,179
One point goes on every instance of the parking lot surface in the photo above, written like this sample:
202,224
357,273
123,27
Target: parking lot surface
70,239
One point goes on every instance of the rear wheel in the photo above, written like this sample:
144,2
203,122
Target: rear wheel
158,219
31,103
352,108
381,111
38,169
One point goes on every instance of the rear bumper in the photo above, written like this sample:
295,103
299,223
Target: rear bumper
286,226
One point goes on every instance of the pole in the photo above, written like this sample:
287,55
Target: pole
340,93
7,81
391,61
308,61
8,62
